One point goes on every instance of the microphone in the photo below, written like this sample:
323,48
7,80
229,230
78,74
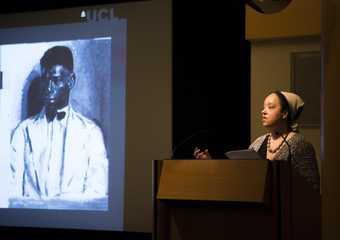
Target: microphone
185,140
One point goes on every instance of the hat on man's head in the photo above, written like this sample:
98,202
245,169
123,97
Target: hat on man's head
58,55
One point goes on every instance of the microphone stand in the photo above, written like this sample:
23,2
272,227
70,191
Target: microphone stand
185,140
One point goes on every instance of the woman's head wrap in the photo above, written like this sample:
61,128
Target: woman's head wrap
296,104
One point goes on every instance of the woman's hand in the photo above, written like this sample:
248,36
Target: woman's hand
201,155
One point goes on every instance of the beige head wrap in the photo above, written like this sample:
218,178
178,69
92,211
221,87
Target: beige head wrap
296,104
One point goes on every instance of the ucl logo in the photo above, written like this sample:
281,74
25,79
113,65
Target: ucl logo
97,14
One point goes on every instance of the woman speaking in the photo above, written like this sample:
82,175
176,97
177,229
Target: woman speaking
283,140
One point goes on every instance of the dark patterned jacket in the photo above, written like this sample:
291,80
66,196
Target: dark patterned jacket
302,155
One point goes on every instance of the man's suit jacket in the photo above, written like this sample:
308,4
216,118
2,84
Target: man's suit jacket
83,159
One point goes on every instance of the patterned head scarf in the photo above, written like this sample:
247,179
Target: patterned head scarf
296,104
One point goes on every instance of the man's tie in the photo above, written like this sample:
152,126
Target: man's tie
50,115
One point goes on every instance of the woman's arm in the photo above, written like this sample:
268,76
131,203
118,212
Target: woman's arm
305,160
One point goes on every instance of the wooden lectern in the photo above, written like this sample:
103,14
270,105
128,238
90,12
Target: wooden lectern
221,199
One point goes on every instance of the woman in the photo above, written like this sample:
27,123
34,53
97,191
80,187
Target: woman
283,141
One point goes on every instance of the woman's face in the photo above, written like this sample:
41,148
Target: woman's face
271,113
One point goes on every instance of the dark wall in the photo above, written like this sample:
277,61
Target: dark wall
211,78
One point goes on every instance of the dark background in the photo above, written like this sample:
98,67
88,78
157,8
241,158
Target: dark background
211,78
211,87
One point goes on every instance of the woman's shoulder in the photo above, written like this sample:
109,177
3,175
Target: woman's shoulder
256,144
299,142
298,137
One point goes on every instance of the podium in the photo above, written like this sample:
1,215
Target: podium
227,199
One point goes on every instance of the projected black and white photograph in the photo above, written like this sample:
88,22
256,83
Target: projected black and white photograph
55,123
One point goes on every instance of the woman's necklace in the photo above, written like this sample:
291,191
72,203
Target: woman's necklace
276,149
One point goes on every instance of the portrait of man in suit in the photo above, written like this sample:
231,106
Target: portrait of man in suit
58,156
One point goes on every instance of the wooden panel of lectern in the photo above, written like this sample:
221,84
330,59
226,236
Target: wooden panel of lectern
227,199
